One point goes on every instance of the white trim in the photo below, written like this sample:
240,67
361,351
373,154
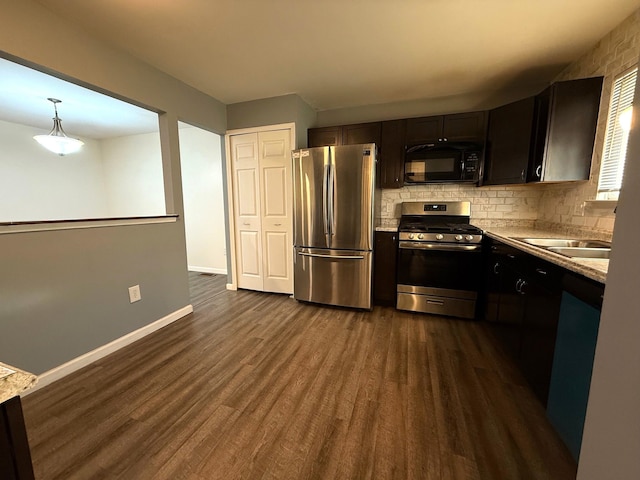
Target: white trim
230,213
266,128
77,363
117,222
220,271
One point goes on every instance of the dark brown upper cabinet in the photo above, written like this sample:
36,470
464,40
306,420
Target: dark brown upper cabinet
509,142
344,135
391,158
546,138
388,136
361,133
566,130
325,136
459,127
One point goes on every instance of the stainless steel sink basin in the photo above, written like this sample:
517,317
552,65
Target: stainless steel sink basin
581,252
566,243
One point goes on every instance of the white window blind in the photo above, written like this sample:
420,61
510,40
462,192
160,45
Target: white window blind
617,135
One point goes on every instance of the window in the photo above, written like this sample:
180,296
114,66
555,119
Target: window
617,135
116,174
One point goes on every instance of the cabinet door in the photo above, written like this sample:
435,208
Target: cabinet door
384,268
572,127
361,133
391,154
539,325
322,137
464,127
508,326
15,457
509,142
424,130
493,284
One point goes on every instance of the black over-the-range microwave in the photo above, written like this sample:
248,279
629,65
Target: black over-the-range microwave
442,163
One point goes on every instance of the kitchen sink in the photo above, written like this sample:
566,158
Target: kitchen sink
566,243
582,252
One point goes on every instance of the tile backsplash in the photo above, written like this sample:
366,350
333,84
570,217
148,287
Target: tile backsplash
513,205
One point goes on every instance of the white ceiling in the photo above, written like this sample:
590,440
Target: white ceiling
333,53
84,113
347,53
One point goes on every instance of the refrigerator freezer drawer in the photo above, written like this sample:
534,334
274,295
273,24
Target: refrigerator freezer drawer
333,277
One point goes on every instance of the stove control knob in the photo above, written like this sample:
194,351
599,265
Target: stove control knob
439,236
411,235
468,238
420,236
459,238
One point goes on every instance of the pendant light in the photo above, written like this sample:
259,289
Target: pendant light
57,141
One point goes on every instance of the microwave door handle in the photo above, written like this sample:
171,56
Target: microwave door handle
462,168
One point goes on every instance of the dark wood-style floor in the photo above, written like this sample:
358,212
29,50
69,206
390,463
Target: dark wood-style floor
259,386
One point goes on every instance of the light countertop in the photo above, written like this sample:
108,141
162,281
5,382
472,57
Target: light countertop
13,381
593,268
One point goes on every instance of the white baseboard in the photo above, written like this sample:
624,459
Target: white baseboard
220,271
232,286
77,363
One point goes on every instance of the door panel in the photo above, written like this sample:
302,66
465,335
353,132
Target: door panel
247,200
277,212
244,157
352,197
333,277
275,202
250,262
278,252
309,181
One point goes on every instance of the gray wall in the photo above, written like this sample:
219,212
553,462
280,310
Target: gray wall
64,293
272,111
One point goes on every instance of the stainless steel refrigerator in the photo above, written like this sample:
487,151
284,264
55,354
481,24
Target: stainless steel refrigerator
335,206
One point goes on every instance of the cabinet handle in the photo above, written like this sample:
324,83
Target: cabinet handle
277,224
246,223
520,284
523,173
540,271
496,268
538,171
511,256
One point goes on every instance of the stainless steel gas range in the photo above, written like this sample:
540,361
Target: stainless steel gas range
439,259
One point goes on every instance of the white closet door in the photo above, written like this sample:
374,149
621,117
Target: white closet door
277,212
247,211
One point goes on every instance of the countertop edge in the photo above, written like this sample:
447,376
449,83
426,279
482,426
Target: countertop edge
15,383
576,266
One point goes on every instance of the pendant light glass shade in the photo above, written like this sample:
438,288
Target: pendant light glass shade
57,141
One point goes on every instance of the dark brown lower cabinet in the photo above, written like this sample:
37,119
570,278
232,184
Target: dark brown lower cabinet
15,458
384,268
522,304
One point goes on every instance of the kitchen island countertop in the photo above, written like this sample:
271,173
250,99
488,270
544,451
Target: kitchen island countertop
595,269
13,381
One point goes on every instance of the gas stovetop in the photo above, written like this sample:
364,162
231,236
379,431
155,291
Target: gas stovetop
438,222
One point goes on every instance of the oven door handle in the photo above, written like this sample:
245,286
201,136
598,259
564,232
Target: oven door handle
438,246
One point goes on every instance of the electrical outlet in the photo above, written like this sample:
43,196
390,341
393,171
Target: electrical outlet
134,294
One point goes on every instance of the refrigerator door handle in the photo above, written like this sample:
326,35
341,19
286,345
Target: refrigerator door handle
325,195
332,188
341,257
